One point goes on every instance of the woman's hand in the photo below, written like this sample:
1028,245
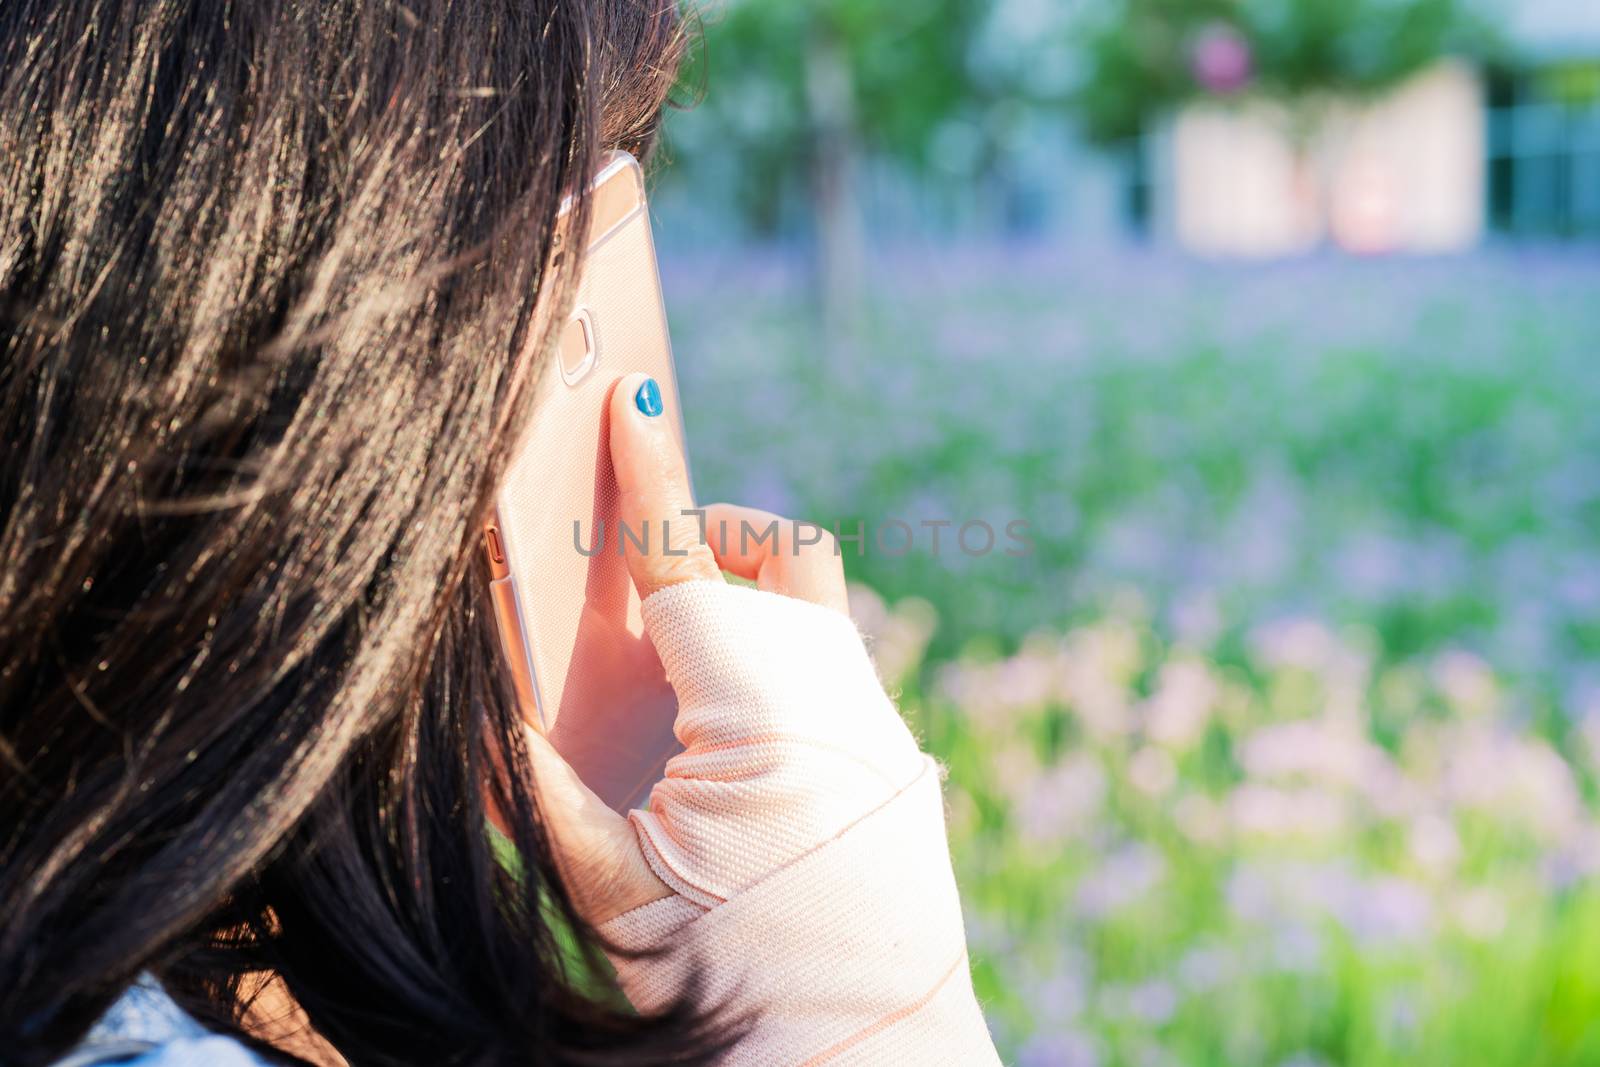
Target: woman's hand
598,850
792,867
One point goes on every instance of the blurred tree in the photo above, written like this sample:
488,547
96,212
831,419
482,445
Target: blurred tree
1573,82
1137,64
800,93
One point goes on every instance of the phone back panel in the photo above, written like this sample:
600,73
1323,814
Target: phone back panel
601,694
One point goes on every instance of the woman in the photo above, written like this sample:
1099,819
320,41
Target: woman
277,282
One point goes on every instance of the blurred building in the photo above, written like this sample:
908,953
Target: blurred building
1402,174
1431,167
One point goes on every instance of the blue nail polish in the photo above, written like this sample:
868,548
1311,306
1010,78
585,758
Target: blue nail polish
648,398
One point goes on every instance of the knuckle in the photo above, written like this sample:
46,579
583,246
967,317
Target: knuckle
695,562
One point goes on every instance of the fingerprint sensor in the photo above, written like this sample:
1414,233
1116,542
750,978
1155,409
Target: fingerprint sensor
577,351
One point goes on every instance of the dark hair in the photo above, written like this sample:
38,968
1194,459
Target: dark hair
276,282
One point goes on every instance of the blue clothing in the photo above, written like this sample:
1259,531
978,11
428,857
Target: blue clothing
146,1028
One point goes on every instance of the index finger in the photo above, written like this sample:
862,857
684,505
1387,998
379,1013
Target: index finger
655,504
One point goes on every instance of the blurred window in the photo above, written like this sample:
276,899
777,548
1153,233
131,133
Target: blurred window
1544,146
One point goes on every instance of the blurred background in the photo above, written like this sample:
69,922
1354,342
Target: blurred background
1278,321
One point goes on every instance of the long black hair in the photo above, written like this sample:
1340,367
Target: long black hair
276,283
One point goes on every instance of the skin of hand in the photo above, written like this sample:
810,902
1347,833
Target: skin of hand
596,848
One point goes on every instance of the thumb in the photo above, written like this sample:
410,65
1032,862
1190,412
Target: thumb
659,532
596,849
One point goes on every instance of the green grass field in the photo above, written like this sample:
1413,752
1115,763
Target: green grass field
1276,749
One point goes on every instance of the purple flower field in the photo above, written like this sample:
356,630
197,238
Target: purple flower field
1281,745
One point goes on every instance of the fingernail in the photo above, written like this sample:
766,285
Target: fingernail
648,398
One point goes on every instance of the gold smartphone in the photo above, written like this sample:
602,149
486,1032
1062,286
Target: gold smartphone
567,609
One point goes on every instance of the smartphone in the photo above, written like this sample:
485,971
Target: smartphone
567,609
